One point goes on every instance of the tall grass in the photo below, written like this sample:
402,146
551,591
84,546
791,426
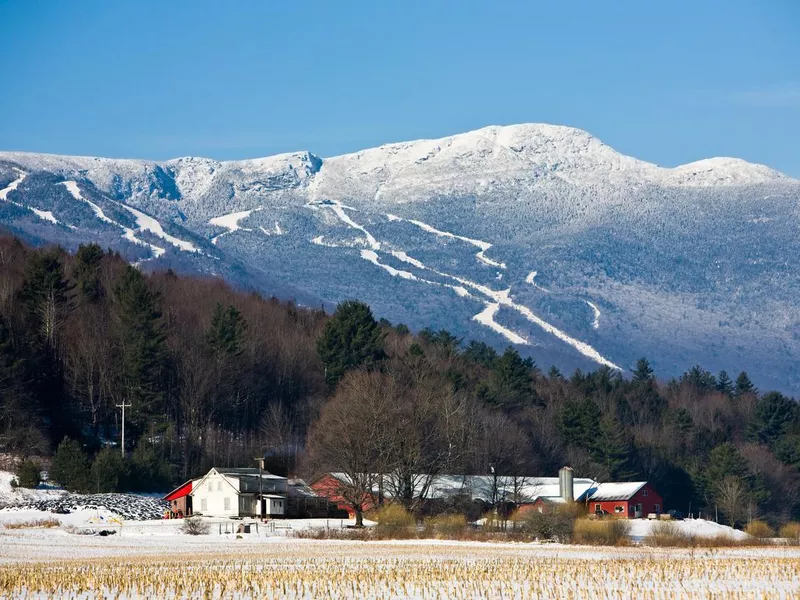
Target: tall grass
759,530
601,532
791,532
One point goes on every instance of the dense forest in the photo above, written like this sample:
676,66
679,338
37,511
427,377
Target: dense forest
214,376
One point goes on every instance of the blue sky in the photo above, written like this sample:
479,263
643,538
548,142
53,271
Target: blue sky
668,82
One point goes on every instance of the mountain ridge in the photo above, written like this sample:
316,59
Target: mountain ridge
541,236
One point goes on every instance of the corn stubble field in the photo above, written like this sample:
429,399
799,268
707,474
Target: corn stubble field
304,569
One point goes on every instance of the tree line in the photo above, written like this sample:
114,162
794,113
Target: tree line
216,376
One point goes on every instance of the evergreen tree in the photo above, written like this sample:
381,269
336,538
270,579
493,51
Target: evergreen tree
724,383
226,334
45,295
29,474
643,371
510,382
570,423
554,374
787,450
611,448
480,353
773,415
70,466
108,471
699,378
148,471
744,385
143,345
725,460
351,338
87,271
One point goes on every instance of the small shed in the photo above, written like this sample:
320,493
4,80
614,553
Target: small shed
180,501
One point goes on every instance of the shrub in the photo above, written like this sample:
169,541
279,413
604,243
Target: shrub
669,535
395,521
603,532
556,525
759,529
195,526
108,471
791,532
70,466
29,474
447,526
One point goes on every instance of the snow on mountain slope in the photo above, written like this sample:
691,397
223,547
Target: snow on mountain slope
691,264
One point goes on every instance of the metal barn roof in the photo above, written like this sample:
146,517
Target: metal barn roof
615,491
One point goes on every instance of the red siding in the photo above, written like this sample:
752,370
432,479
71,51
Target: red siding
327,486
180,492
650,500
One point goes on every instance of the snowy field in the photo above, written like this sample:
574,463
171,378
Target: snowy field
152,559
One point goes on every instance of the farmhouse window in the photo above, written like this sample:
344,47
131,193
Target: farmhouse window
644,493
203,504
219,486
227,503
210,486
657,507
619,509
598,508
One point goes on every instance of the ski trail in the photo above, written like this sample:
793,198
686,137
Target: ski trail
12,186
531,279
72,188
148,223
44,215
596,311
338,209
231,222
501,298
484,246
128,233
372,256
486,317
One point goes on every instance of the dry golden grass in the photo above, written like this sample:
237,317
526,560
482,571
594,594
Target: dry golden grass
312,570
759,530
791,532
601,532
34,524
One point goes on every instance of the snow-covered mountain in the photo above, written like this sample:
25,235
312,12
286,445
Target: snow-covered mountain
535,235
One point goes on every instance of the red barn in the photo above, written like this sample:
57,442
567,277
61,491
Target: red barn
180,501
330,486
632,500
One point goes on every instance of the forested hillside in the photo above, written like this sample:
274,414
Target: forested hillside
217,377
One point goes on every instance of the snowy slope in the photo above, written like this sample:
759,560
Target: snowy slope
536,235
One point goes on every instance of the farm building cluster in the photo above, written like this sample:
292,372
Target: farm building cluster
631,500
246,492
255,493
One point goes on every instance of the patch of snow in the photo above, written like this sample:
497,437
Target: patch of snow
72,187
231,222
44,215
486,317
372,257
531,280
484,246
596,311
12,186
148,223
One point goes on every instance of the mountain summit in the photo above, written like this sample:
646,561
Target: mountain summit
535,235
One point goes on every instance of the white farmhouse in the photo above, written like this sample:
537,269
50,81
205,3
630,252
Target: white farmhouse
236,493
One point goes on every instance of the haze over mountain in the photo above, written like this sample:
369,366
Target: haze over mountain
535,235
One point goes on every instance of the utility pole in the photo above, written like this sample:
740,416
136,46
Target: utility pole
260,460
123,406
